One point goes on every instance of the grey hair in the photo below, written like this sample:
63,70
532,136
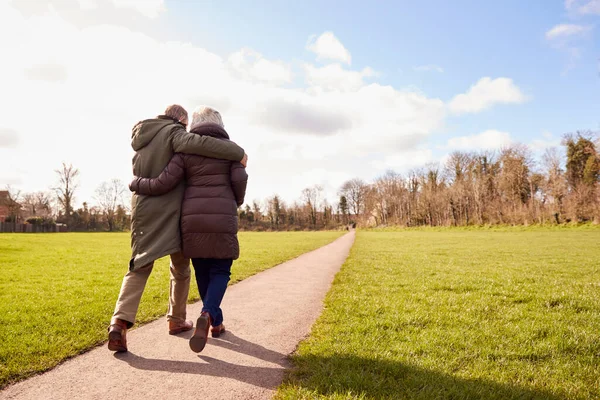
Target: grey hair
204,114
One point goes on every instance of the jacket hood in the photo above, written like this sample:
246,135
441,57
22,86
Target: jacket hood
210,129
144,131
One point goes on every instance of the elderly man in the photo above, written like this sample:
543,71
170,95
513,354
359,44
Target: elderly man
155,220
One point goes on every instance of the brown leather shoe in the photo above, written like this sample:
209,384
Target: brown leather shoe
198,340
217,331
117,336
176,327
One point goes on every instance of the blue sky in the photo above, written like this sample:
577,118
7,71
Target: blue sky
467,39
316,92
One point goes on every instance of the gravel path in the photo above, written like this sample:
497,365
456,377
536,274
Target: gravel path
266,316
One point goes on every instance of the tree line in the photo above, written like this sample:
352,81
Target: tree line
111,211
469,188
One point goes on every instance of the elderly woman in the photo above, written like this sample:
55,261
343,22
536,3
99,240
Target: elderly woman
209,222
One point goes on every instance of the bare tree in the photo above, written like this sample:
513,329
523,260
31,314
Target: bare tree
392,198
65,191
458,170
37,204
109,196
257,210
355,191
432,184
276,211
555,184
13,204
381,199
514,182
485,192
312,198
29,204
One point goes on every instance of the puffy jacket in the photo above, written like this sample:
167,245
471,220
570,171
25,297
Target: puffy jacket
214,190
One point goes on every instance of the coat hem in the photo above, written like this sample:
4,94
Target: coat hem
134,266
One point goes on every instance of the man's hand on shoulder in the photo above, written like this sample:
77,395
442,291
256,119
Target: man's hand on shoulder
244,160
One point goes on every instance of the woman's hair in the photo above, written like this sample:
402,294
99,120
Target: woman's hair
205,114
177,112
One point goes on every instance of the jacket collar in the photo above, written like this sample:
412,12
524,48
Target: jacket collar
210,129
170,119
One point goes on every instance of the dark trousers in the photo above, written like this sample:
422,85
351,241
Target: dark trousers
212,276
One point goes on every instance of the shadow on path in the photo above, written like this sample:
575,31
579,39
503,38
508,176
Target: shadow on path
264,377
338,375
388,379
235,343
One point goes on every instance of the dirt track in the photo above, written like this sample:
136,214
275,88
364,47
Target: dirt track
266,316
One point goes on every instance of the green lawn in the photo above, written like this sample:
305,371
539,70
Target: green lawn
58,291
458,315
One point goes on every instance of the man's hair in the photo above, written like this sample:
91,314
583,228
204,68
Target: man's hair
205,114
177,112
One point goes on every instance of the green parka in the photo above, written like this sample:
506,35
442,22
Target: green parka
155,219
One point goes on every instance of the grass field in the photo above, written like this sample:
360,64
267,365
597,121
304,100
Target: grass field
58,291
458,315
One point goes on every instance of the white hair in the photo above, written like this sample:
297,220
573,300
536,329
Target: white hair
204,114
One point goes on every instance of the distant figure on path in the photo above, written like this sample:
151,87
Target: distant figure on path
155,220
209,221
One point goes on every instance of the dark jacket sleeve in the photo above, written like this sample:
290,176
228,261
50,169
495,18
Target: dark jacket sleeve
239,181
190,143
168,179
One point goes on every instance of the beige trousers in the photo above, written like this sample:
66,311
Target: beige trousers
134,283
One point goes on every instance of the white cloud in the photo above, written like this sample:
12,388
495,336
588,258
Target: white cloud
567,38
583,6
251,64
334,77
328,47
88,4
8,138
81,87
547,140
566,30
429,68
591,7
299,117
148,8
47,72
404,160
487,140
486,93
